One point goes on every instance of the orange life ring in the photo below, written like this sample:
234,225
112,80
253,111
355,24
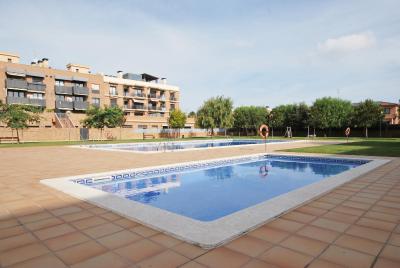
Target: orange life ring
264,128
347,132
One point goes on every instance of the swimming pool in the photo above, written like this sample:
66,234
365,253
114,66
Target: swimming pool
210,202
151,147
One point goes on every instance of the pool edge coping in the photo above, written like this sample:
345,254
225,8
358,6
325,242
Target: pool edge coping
214,233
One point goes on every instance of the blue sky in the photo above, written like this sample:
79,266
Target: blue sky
257,52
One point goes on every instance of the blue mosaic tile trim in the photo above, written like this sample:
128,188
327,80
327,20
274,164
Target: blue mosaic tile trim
196,166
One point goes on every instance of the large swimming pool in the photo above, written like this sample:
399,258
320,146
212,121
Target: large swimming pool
178,145
210,202
209,193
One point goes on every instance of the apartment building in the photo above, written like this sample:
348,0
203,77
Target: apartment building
391,112
65,95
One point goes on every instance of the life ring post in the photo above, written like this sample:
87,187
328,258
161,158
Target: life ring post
264,132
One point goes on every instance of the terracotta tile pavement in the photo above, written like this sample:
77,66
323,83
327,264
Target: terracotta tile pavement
354,225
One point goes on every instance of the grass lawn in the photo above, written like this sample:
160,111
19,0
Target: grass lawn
372,147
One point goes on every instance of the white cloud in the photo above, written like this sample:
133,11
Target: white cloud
348,43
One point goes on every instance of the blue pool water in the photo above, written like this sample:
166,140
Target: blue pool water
168,146
210,192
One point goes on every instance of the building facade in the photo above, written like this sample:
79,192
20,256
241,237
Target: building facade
390,112
65,95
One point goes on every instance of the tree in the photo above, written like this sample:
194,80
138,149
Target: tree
192,114
17,116
328,112
249,117
215,113
99,118
177,120
367,114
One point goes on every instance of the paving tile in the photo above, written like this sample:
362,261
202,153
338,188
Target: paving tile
54,231
81,252
67,240
126,223
223,257
269,234
391,252
21,254
330,224
249,245
45,261
88,222
318,263
165,259
41,224
285,225
254,263
16,241
361,244
285,257
165,240
347,257
385,263
76,216
139,250
394,239
192,264
9,223
35,217
369,233
304,245
312,210
102,230
144,231
110,216
378,224
341,217
105,260
188,250
119,239
322,205
349,210
321,234
65,210
11,231
299,217
382,216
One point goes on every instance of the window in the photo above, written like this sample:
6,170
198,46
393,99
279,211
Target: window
154,126
142,126
96,101
79,84
113,91
113,102
79,98
77,70
59,83
386,110
95,88
15,94
9,60
60,97
37,79
36,96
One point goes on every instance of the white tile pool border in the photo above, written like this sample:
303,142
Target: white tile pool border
214,233
114,146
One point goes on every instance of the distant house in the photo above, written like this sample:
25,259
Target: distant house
391,112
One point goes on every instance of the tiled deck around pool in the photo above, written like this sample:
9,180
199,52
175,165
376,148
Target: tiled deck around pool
356,225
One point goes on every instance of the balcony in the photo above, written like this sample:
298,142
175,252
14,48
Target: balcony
64,105
37,87
153,96
138,107
63,90
16,83
139,95
35,102
84,91
154,108
173,98
81,105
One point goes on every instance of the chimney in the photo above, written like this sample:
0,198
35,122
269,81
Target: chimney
33,63
45,62
164,81
119,74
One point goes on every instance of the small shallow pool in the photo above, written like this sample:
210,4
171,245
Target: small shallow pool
178,145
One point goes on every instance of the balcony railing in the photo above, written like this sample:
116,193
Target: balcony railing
35,102
138,107
39,87
80,90
173,99
153,96
81,105
139,95
17,83
63,90
64,105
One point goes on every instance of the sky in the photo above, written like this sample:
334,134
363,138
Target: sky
262,53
